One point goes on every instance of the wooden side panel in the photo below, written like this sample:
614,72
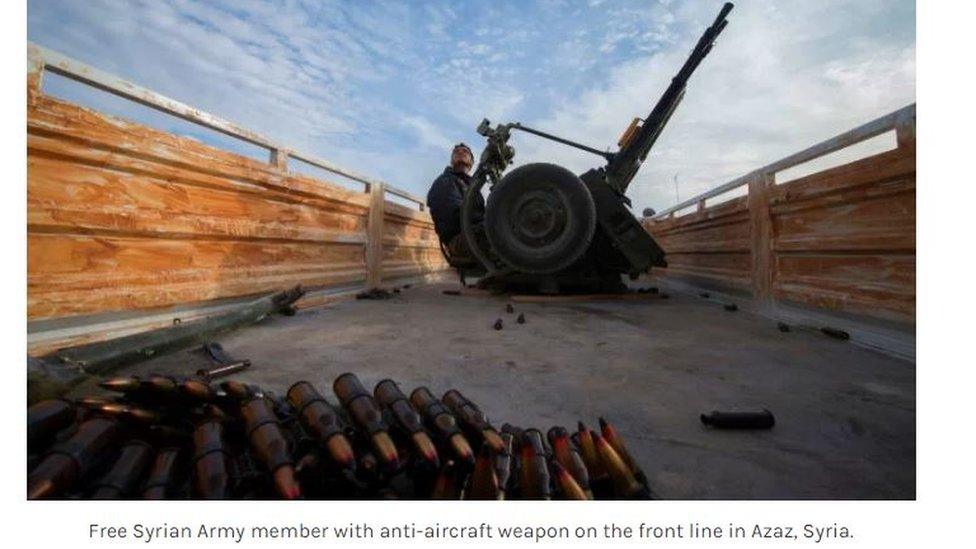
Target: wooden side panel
711,246
122,217
410,245
845,238
841,239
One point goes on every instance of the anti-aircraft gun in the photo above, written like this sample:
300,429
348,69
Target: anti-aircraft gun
547,228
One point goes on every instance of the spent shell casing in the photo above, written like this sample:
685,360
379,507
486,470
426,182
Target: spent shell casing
762,419
224,370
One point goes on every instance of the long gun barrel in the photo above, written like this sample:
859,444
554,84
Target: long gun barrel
637,143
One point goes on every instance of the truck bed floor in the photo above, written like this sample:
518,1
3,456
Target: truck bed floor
845,415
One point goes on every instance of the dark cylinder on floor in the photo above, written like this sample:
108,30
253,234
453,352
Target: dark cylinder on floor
739,420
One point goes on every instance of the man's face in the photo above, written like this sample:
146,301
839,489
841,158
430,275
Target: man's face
461,160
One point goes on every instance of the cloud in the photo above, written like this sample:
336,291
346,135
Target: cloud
386,88
774,84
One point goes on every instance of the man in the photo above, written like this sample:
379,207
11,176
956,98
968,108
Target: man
446,197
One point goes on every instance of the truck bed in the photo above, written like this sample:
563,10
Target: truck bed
845,415
131,226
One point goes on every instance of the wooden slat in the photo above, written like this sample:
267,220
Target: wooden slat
841,239
122,217
374,242
86,199
72,274
761,236
902,120
60,128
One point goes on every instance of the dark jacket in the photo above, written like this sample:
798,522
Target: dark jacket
445,198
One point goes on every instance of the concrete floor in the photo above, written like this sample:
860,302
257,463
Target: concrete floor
845,416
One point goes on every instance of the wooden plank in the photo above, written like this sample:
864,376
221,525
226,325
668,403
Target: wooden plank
59,128
408,196
876,223
761,236
40,58
903,117
35,76
718,213
70,197
870,174
74,274
374,243
124,219
75,70
842,238
279,159
402,214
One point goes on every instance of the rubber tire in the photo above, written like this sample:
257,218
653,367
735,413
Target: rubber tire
573,237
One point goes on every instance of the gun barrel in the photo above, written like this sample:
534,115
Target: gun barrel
622,169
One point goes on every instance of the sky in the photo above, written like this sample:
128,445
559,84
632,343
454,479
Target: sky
386,88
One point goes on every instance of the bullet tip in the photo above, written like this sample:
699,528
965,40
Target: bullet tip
425,446
341,451
494,440
286,484
386,449
462,449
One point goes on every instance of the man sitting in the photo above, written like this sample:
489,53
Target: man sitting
445,198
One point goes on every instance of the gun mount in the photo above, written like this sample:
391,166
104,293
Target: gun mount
547,227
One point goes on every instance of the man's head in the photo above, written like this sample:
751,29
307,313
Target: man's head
462,158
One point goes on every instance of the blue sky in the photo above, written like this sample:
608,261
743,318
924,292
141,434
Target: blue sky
385,88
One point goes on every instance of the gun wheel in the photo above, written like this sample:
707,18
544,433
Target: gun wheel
540,218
